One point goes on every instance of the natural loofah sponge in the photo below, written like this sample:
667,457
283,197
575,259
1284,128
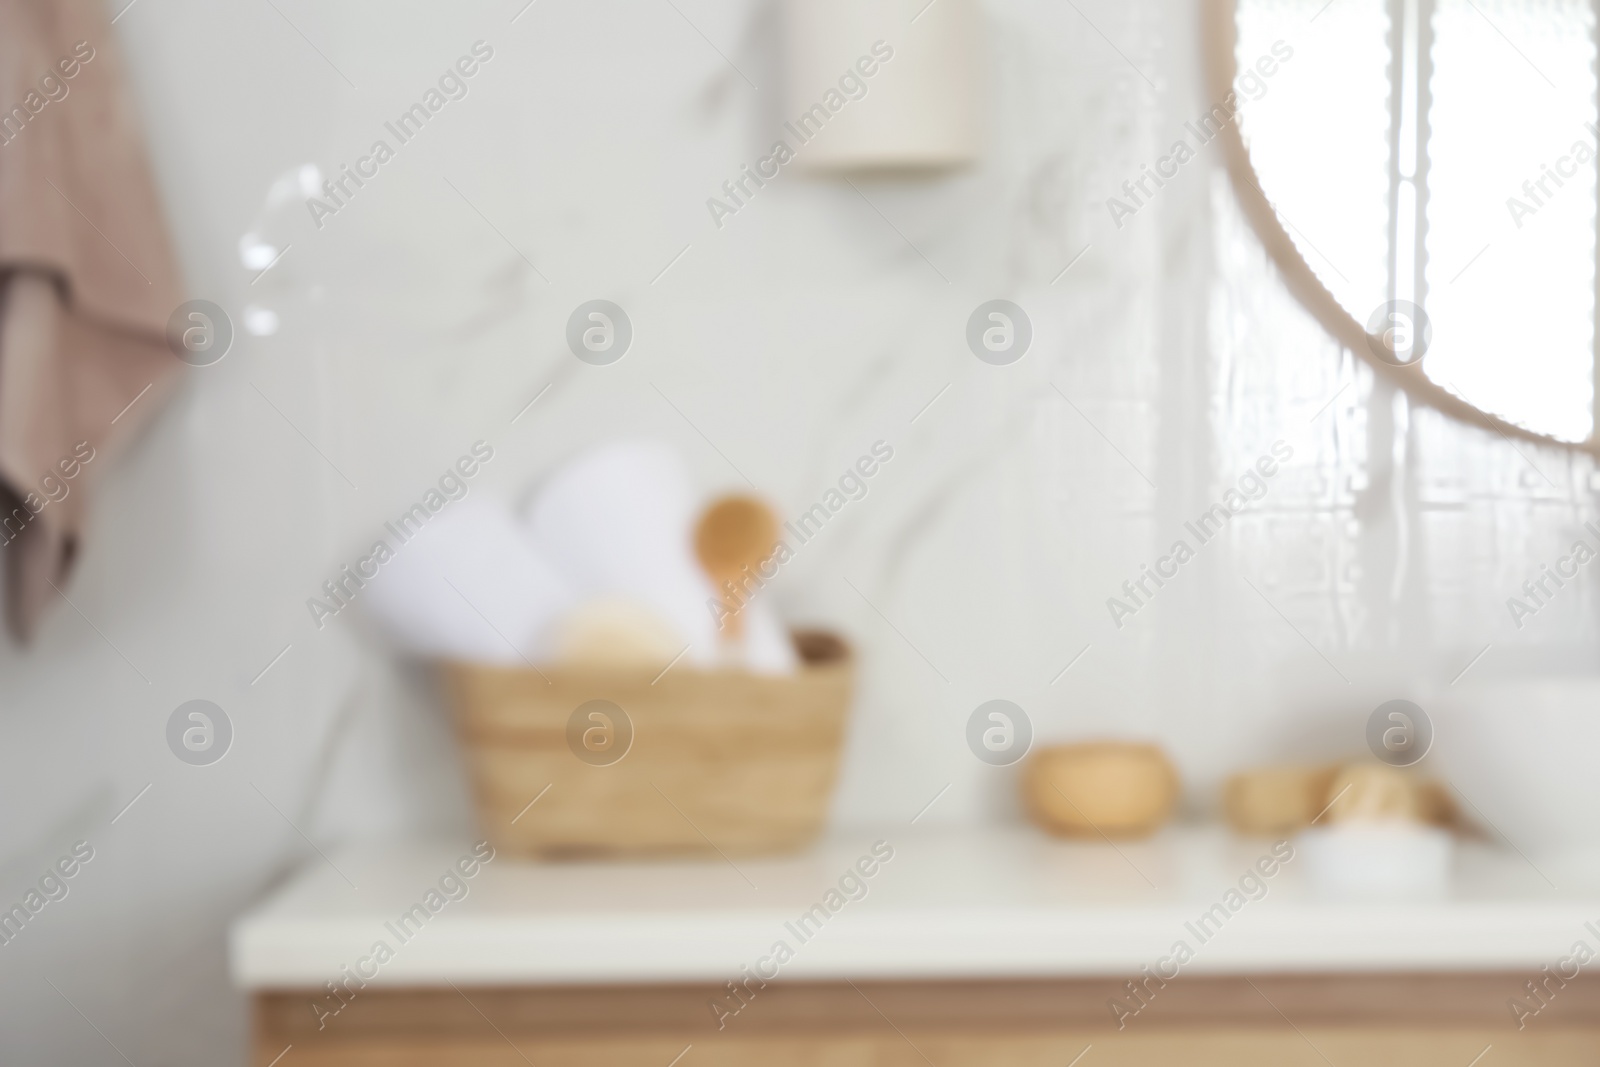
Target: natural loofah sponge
1373,792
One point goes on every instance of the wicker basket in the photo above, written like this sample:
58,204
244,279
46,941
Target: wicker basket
719,761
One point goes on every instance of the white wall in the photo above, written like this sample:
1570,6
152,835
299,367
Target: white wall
792,338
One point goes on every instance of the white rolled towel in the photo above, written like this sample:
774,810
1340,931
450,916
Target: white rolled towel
469,586
766,647
617,520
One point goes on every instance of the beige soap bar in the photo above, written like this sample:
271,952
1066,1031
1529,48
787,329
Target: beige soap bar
1110,788
1276,800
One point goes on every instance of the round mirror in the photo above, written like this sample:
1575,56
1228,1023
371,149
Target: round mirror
1423,172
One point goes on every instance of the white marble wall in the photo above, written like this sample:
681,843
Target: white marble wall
818,320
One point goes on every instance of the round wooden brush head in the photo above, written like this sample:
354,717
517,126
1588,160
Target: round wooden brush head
734,533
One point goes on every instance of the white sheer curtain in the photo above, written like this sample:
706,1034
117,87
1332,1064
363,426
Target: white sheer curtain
1380,561
1428,526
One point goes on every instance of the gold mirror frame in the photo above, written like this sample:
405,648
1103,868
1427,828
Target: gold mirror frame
1219,34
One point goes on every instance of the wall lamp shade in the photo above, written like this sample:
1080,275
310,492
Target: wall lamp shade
917,110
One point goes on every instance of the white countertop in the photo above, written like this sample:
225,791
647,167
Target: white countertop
975,903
